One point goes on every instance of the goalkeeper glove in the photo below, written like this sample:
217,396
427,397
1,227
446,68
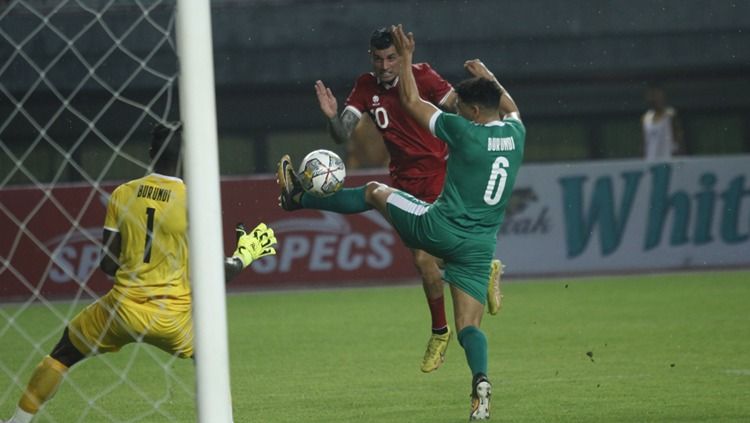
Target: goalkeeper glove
254,245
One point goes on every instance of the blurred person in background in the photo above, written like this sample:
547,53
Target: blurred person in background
662,131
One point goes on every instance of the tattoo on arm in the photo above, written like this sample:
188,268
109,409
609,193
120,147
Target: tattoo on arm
341,127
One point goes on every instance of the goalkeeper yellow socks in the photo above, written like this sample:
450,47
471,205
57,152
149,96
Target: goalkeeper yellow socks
42,386
346,201
475,346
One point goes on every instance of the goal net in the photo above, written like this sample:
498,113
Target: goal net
82,83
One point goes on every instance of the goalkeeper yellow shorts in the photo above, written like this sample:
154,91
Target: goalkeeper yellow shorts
111,323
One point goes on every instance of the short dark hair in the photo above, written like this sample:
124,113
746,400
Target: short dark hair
479,91
166,142
381,39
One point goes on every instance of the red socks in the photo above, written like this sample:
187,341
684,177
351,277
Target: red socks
437,311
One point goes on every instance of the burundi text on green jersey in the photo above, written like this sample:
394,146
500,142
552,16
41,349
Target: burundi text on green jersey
483,163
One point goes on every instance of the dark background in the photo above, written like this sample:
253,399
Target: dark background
578,70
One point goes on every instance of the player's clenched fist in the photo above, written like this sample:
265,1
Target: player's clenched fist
477,68
253,245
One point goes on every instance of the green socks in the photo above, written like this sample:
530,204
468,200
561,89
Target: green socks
475,345
346,201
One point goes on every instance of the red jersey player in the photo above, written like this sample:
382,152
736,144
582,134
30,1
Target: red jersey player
417,163
417,158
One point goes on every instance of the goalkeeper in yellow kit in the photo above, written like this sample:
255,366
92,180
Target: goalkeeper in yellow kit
145,250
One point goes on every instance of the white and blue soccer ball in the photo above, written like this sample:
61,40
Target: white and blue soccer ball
322,173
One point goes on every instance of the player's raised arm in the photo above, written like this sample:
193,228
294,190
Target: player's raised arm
340,127
419,109
507,106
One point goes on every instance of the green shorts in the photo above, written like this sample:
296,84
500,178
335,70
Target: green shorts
467,259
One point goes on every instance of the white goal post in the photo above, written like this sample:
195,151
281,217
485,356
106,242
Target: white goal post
198,110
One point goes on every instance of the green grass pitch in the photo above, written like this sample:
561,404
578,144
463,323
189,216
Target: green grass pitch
656,348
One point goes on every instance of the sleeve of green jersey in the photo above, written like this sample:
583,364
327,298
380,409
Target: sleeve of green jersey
516,126
447,126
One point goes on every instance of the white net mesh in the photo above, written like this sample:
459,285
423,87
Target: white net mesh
81,84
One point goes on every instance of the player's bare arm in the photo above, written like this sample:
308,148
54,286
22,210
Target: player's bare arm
507,106
340,127
111,246
419,109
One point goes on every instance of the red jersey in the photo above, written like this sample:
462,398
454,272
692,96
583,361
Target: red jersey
415,152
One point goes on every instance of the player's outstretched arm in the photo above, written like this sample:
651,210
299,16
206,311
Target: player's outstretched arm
408,92
250,246
507,105
340,127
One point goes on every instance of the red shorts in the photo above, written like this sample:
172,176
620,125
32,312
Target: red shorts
426,189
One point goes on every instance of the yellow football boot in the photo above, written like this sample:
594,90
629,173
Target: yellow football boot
494,295
435,354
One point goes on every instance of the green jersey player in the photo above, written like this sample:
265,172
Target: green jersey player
486,143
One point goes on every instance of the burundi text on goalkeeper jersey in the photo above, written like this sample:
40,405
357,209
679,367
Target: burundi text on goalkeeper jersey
151,216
